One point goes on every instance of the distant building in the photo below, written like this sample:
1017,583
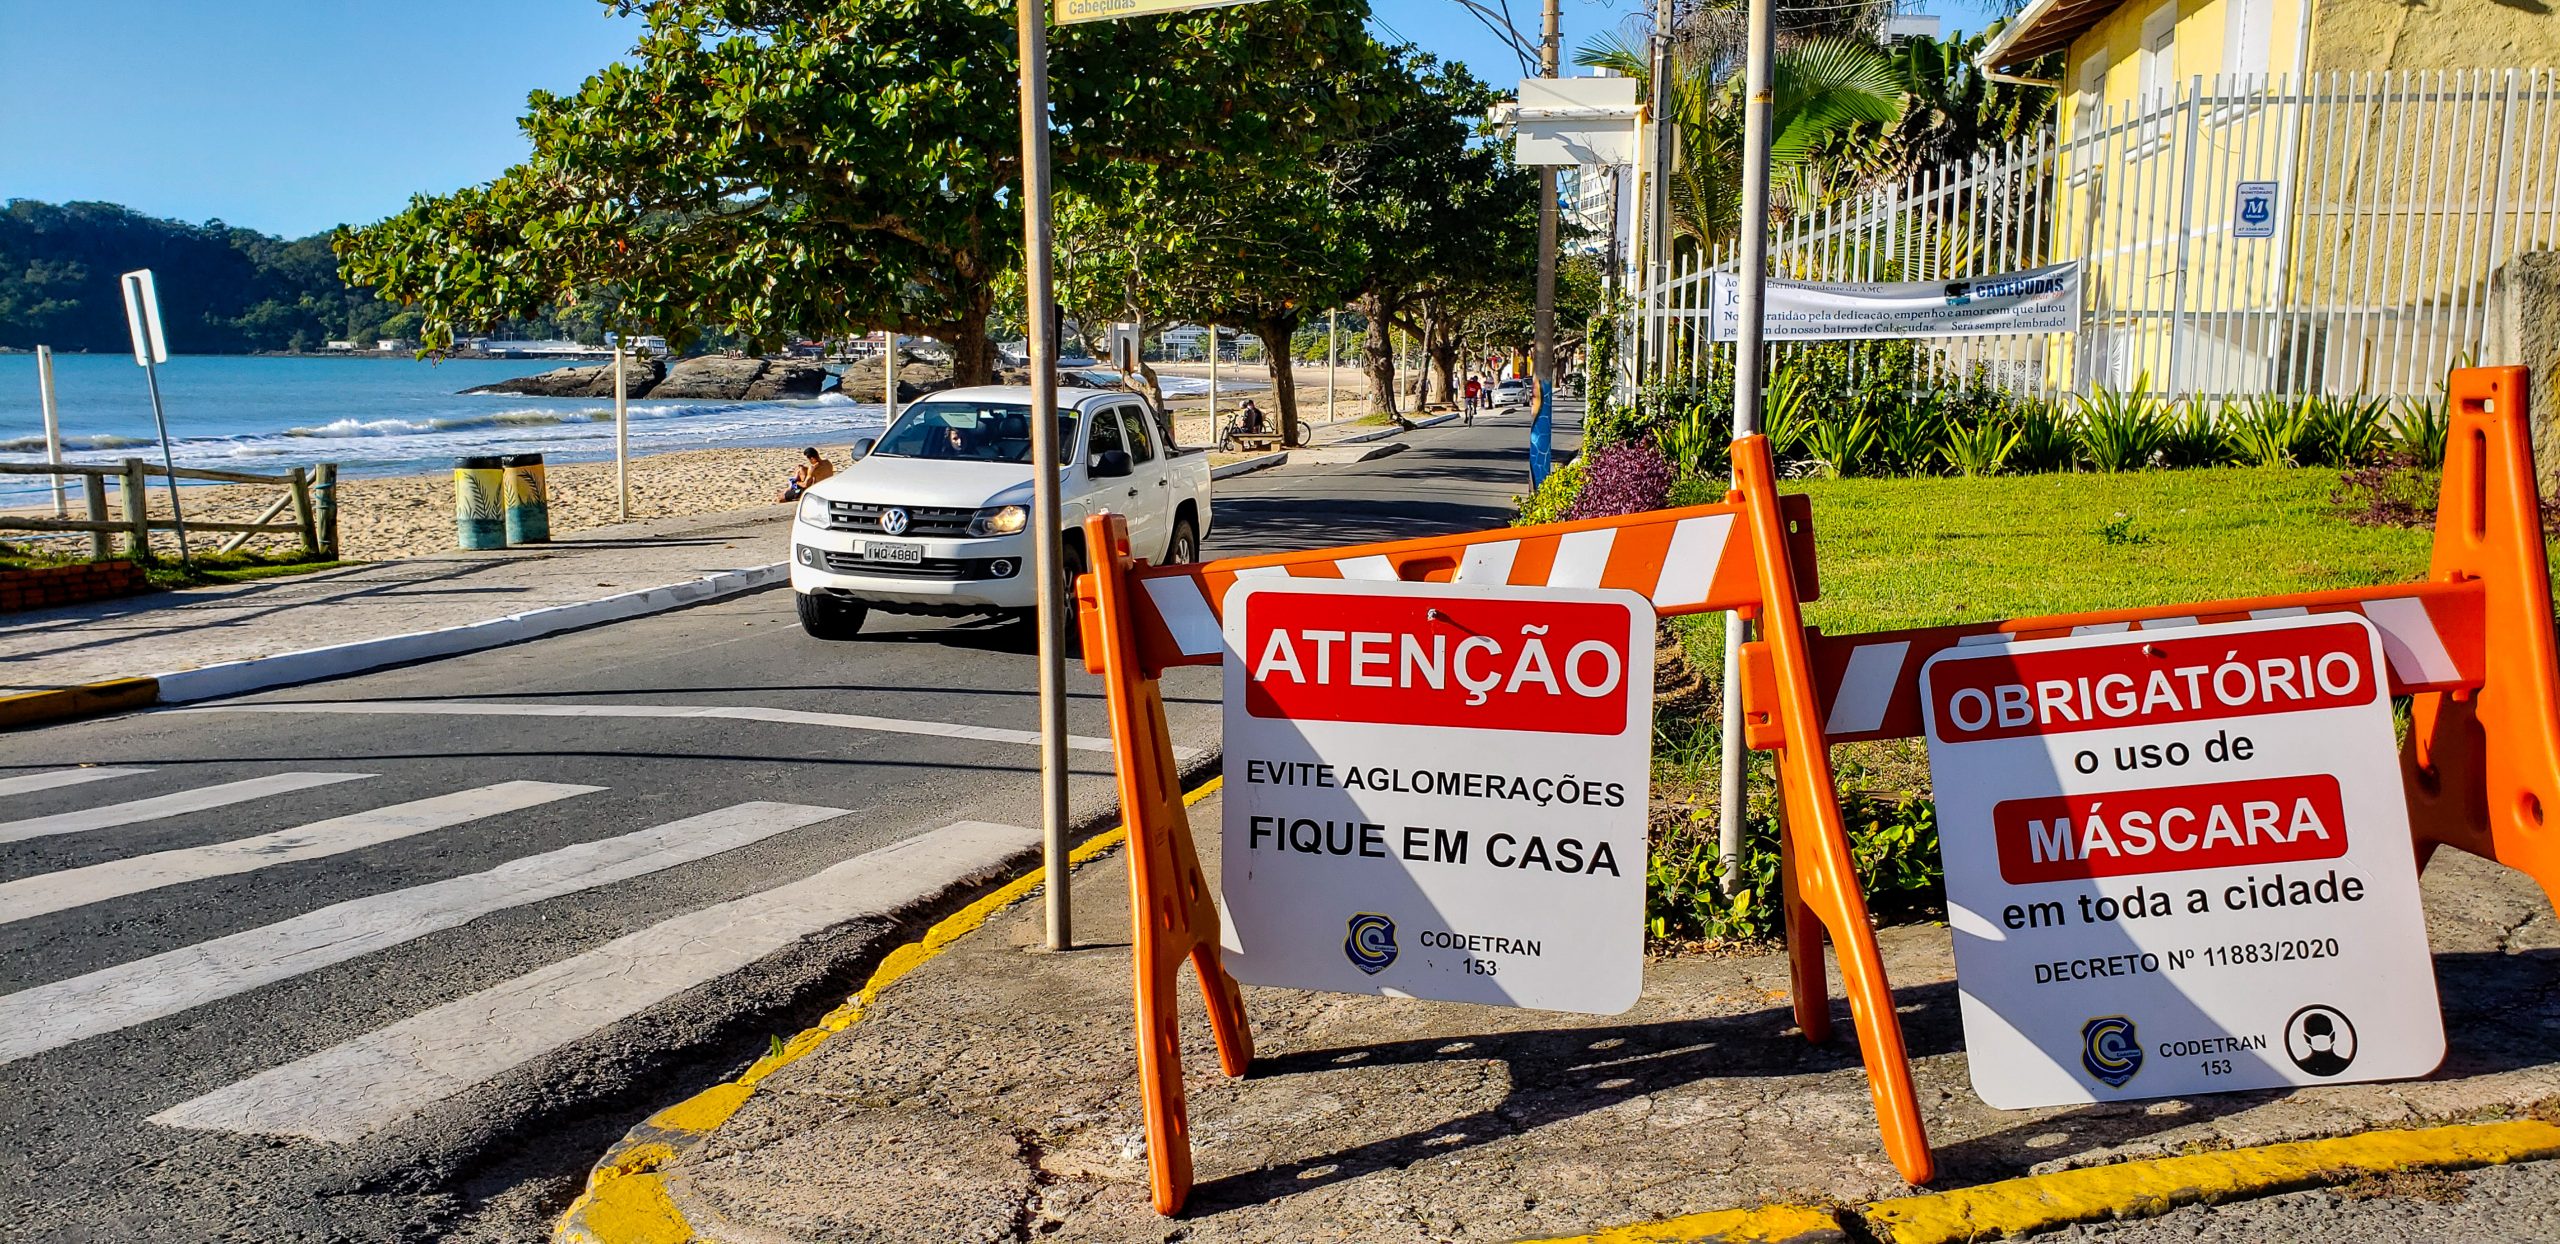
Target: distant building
343,346
1903,26
391,345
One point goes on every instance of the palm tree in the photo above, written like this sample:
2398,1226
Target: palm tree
1824,88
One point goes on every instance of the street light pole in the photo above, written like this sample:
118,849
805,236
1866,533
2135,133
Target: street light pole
1747,383
1032,33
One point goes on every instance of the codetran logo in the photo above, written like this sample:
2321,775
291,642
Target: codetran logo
1371,942
2109,1050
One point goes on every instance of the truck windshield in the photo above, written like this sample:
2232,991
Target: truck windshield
970,432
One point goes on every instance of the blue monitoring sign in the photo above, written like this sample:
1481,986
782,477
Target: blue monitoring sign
2253,210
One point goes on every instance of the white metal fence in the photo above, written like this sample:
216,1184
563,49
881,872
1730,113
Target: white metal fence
2399,195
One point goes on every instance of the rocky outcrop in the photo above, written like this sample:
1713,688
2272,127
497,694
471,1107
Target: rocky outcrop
743,379
593,380
861,380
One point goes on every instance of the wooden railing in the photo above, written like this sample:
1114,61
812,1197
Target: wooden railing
310,493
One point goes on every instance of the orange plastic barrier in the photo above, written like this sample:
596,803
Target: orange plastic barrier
1752,553
2472,646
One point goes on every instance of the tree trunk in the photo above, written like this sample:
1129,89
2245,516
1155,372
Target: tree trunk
1378,356
1444,358
973,348
1284,381
1147,382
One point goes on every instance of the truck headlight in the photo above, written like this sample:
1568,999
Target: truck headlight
813,509
1002,520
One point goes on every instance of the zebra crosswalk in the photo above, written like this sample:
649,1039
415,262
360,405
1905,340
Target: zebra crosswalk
362,1085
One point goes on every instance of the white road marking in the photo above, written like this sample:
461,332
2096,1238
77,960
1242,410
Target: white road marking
27,784
158,806
50,1016
349,1091
784,716
75,887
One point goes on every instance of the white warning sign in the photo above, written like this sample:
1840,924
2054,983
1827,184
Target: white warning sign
2178,861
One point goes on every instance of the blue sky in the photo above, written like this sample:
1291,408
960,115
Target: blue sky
294,115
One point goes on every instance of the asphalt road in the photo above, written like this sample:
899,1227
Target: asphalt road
318,888
2517,1204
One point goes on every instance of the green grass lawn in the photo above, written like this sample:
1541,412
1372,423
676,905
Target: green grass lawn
1926,552
241,567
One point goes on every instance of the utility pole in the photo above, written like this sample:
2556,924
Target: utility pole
1657,245
52,429
1332,325
1032,33
621,435
1550,48
1747,383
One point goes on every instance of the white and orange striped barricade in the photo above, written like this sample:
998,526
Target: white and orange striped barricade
2472,645
1752,553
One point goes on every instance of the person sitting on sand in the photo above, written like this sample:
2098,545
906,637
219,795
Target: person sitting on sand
812,469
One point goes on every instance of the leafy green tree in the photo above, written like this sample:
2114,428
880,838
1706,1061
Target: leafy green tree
775,168
1823,89
1436,210
222,290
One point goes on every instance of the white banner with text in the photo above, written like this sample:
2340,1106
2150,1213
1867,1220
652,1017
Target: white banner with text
2038,300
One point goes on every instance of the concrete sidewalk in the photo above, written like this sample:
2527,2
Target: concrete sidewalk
166,632
990,1094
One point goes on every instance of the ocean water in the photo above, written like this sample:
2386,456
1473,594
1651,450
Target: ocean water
371,416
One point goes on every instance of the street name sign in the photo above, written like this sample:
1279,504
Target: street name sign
1438,790
2179,861
1070,12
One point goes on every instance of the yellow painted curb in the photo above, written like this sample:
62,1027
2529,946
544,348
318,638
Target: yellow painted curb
35,708
2156,1186
1769,1224
626,1200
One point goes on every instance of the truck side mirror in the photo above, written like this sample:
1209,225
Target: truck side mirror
862,448
1111,464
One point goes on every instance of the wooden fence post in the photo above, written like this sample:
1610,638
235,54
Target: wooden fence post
324,505
101,545
137,510
299,481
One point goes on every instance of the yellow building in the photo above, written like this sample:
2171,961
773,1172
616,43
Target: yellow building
2299,195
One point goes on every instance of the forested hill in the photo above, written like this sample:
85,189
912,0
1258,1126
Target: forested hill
222,290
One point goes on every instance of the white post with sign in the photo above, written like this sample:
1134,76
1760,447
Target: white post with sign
1438,790
2178,861
150,350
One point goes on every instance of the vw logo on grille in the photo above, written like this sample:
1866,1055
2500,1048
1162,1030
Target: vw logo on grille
894,521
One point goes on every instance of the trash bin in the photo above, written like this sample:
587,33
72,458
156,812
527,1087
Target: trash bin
528,500
479,513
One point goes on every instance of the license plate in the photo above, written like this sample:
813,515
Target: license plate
902,554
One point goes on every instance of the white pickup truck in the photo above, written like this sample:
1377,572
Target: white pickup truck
932,517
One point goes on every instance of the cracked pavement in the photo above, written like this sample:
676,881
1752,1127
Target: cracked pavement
991,1095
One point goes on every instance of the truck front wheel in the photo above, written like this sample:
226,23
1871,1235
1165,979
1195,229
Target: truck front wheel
1184,548
829,617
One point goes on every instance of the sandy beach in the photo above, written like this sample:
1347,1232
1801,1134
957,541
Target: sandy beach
410,516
